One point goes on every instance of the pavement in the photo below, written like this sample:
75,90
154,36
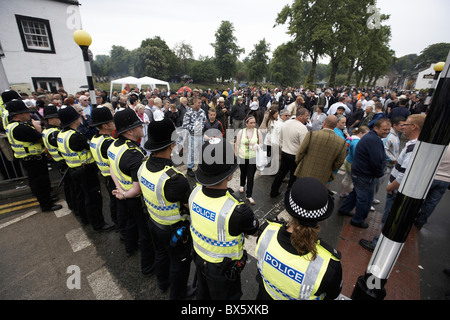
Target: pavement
50,256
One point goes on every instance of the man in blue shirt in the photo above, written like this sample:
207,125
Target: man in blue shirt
367,168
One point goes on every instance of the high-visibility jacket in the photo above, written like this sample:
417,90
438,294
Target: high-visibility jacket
287,276
209,227
152,185
51,149
115,153
74,159
96,150
22,149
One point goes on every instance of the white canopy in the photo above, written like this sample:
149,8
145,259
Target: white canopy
152,82
123,82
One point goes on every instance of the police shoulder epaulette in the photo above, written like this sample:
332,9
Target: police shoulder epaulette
171,173
331,250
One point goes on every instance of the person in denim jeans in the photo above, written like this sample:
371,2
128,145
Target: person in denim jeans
367,168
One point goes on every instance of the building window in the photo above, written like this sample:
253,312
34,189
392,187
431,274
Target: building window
35,34
48,84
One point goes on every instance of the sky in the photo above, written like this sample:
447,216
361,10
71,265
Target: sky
415,24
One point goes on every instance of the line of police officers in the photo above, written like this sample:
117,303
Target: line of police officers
208,218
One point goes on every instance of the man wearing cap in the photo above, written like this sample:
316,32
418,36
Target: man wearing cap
125,158
293,266
103,120
219,222
222,112
74,147
26,142
50,136
166,193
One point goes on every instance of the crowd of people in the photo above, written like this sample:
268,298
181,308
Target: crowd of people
129,140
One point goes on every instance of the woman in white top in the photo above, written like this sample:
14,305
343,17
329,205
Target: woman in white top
318,118
248,141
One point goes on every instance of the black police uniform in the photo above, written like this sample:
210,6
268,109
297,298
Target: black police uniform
213,278
132,220
36,167
172,263
61,166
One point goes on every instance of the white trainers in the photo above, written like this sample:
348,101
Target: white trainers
241,189
376,201
251,200
372,209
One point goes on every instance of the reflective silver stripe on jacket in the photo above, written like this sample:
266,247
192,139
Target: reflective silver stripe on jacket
311,274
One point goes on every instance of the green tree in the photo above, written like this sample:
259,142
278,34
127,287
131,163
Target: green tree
432,54
151,61
185,54
168,58
120,61
257,65
226,50
204,70
286,66
309,27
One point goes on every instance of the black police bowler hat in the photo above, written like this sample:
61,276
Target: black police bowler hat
16,106
67,115
160,135
9,95
308,201
218,163
125,120
100,115
51,111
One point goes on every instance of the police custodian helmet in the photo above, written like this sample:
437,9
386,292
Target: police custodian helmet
218,163
67,115
160,135
126,119
100,115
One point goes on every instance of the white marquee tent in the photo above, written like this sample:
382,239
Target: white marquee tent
152,82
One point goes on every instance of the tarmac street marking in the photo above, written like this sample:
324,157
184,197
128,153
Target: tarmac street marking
103,285
64,211
16,203
78,239
11,207
26,215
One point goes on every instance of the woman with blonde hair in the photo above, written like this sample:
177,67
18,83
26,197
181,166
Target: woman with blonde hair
293,263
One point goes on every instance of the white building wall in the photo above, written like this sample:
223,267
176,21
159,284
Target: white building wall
425,83
67,61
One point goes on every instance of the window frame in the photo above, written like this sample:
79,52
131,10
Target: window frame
20,18
36,80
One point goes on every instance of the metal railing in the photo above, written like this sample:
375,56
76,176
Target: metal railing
10,168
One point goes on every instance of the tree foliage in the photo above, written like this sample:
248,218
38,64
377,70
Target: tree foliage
258,63
226,50
286,66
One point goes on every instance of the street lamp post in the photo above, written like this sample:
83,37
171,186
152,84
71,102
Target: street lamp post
84,40
438,67
425,160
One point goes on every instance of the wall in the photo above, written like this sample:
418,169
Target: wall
67,61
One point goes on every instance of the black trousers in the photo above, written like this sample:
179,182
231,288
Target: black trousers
39,181
287,165
248,170
172,264
88,195
212,284
68,183
110,186
133,226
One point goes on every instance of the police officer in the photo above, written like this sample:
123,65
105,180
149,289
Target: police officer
49,137
74,147
293,264
7,96
125,158
102,118
166,193
26,142
219,222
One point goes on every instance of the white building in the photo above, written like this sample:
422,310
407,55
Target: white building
425,78
38,47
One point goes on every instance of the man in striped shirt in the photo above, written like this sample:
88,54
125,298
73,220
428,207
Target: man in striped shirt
412,128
